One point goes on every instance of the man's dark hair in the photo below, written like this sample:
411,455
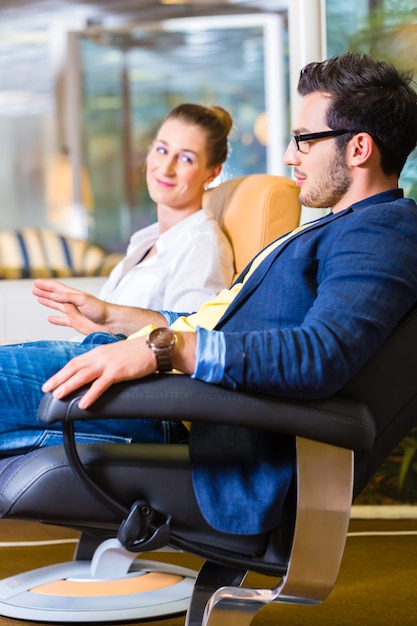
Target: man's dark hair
370,96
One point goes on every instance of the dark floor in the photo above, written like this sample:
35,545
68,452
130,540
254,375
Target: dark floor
376,585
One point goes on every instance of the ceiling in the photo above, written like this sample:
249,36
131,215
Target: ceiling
116,12
33,35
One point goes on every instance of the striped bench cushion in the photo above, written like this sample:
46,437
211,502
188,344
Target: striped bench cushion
42,253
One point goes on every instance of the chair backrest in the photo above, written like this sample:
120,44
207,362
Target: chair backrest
387,385
254,210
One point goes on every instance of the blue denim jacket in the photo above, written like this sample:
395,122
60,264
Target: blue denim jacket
309,317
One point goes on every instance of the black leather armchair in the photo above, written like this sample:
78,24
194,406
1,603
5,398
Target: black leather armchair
143,493
252,210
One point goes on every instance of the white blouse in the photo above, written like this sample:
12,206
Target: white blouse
193,262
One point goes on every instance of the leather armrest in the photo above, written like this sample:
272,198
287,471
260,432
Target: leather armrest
337,421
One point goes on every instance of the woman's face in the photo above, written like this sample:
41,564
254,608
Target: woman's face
176,170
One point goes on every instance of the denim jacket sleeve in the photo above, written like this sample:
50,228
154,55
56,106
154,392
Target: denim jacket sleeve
321,308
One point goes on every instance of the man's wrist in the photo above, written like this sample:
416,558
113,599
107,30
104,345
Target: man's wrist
162,342
183,355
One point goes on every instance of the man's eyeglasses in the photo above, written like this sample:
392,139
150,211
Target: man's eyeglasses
297,139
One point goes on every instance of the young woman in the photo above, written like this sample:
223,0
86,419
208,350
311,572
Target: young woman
184,258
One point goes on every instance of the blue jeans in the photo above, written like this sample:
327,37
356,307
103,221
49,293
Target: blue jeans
23,370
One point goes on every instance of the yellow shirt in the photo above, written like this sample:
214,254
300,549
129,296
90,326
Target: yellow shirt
212,311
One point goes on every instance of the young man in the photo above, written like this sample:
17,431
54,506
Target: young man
301,320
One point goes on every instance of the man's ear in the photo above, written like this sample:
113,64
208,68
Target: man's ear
360,149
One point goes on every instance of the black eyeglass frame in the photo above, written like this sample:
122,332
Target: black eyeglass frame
321,135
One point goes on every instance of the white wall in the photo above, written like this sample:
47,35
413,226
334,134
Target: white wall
22,318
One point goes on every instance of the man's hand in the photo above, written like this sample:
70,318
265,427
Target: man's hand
103,366
116,362
81,311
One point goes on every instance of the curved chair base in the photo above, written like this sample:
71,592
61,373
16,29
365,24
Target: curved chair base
83,591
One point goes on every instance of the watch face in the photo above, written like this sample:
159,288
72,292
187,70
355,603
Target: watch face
162,338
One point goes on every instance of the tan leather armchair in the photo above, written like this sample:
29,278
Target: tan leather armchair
253,211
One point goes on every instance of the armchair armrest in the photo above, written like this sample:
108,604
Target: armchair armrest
337,421
327,432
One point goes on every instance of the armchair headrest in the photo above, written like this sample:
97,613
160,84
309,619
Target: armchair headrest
254,210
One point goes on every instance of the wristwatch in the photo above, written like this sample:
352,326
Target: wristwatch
162,341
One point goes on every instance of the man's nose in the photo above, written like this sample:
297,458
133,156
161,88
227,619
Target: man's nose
292,155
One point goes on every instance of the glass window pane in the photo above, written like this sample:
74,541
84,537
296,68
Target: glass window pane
386,28
389,30
131,80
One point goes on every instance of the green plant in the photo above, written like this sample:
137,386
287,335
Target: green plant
408,446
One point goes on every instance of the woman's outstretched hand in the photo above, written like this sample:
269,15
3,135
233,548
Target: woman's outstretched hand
88,314
80,310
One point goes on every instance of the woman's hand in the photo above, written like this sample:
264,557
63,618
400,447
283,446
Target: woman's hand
88,314
81,311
